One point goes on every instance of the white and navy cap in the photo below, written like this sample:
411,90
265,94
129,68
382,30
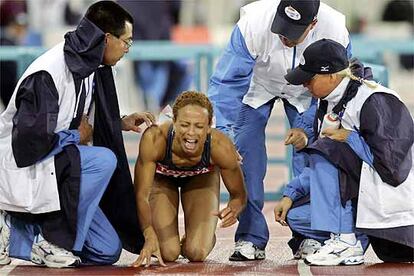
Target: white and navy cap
322,57
293,17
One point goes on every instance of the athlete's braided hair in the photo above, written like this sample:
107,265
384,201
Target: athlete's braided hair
194,98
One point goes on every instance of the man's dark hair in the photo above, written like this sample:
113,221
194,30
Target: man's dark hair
109,17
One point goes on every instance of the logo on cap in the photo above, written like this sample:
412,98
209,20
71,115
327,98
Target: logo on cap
325,68
292,13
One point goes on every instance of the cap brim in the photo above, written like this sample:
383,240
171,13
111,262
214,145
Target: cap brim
286,28
297,76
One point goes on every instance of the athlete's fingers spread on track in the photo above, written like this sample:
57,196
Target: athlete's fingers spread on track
148,261
140,260
158,256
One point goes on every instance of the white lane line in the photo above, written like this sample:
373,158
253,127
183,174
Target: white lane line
304,269
5,270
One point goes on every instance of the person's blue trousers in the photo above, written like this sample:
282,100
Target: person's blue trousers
96,240
250,142
325,213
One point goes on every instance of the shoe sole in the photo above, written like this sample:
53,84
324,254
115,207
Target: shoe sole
352,260
39,261
5,260
238,257
245,259
357,260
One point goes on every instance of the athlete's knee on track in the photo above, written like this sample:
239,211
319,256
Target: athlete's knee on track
196,254
170,253
197,251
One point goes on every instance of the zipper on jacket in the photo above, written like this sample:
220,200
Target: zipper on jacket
294,55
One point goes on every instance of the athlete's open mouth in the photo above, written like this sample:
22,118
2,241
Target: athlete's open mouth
190,144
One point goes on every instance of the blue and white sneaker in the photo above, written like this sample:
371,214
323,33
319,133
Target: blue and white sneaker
336,252
4,239
45,253
247,251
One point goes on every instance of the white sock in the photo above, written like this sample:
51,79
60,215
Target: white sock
348,238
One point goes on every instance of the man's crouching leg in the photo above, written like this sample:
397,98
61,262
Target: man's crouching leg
96,240
102,245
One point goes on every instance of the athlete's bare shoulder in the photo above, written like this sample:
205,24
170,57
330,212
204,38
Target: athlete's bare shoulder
156,132
154,142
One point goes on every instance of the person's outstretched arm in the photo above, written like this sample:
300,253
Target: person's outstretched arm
224,155
145,166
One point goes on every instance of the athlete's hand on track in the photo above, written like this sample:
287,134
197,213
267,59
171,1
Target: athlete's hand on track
151,248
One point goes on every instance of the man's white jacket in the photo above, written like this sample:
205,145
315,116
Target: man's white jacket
34,188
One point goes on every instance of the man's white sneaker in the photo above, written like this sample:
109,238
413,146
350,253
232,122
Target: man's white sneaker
247,251
336,252
307,247
45,253
4,239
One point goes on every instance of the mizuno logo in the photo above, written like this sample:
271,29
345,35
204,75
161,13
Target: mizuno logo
325,68
338,253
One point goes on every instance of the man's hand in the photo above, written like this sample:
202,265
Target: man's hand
151,247
229,214
296,137
339,135
132,121
85,131
281,210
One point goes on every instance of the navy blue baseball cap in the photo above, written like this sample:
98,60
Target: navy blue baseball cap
293,17
322,57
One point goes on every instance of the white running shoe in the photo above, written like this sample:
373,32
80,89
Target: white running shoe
45,253
247,251
307,247
4,239
336,252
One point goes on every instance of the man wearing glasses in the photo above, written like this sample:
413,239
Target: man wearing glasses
66,193
268,40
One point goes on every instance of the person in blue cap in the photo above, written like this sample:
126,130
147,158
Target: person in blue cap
360,178
268,40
